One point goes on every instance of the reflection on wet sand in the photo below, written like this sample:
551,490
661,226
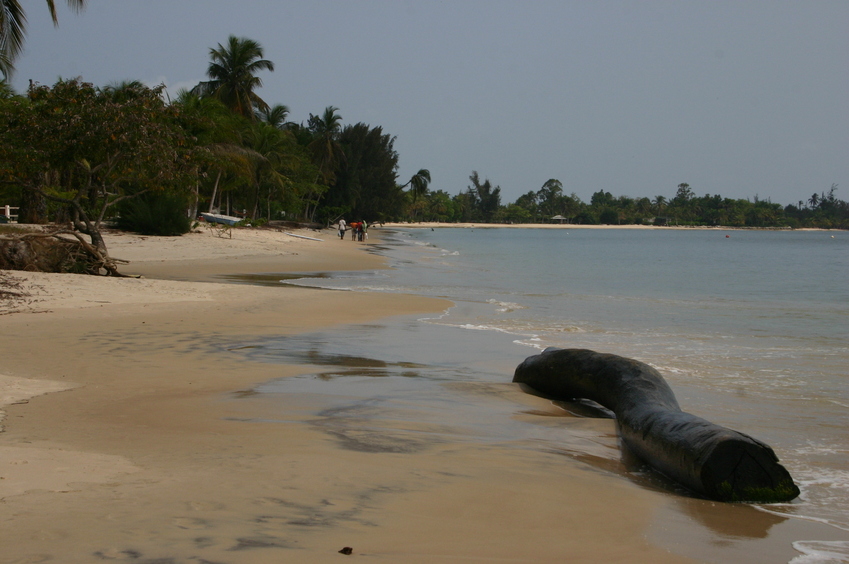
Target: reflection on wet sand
747,522
369,397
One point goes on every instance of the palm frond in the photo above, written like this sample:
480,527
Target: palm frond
13,21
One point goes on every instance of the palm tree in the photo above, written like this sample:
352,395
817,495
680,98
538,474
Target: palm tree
6,90
277,158
325,146
219,131
659,204
123,90
418,183
232,74
13,23
274,116
326,153
643,207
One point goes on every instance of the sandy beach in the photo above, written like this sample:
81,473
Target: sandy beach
437,224
124,439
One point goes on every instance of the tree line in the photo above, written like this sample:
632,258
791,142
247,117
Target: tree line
82,154
481,202
86,154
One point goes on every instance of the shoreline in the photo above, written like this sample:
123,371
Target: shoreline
439,225
148,452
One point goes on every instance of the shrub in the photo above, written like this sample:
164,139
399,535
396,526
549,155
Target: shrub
155,214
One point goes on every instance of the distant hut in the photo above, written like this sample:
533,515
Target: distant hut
559,218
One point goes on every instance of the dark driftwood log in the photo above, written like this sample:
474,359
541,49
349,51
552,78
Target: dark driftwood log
708,459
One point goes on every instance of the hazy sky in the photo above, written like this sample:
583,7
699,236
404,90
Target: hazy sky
739,98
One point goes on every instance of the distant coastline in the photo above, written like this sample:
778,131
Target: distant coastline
436,224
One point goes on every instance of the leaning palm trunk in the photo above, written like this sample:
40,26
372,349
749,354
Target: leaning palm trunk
214,192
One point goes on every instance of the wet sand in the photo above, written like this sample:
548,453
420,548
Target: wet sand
150,453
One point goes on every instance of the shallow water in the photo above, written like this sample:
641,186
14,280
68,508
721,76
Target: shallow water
750,328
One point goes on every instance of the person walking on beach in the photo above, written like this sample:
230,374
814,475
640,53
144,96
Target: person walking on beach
342,227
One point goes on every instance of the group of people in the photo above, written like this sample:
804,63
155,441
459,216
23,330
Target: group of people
359,230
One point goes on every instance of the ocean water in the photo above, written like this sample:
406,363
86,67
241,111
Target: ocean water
750,328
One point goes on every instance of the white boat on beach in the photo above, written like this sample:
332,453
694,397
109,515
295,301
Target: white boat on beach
220,218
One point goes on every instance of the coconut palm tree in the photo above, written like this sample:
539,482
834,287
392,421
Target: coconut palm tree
659,204
232,74
418,183
325,146
275,155
219,131
274,116
326,153
13,23
6,90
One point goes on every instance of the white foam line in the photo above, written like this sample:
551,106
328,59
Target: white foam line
814,551
802,517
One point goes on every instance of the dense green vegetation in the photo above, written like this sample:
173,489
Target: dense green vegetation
76,152
481,203
83,154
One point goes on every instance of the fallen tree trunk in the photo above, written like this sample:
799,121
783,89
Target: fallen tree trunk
57,251
709,459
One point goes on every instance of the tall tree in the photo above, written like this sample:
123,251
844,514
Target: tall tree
684,194
529,202
280,170
220,132
659,204
418,183
80,146
550,196
275,116
326,153
232,73
13,23
325,146
366,184
6,91
484,198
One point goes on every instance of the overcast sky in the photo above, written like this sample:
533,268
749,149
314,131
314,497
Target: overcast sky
738,98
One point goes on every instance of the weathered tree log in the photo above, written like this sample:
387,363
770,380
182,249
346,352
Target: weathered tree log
711,460
55,251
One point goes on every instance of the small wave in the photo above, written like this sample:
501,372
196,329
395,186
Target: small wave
532,343
815,449
387,289
838,479
302,284
476,327
773,510
815,552
480,327
505,307
566,329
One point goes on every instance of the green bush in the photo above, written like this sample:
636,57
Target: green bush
155,214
